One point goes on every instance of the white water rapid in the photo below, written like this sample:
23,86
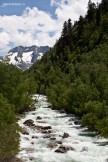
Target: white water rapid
34,145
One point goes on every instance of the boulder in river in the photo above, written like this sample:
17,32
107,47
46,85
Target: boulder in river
52,145
49,106
25,132
70,124
46,127
64,149
34,137
59,142
38,118
29,123
47,136
44,131
77,122
38,127
52,138
65,135
32,158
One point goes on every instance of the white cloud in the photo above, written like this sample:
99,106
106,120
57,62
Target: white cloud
70,8
36,27
4,41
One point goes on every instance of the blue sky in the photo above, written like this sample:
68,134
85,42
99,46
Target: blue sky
17,6
36,22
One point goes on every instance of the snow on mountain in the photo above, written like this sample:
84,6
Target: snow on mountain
24,57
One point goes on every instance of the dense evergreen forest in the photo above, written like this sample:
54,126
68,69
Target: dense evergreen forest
15,97
74,73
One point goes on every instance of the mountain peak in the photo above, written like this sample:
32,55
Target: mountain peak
24,57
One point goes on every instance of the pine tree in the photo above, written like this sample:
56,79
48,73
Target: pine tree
98,15
91,13
65,29
80,26
69,25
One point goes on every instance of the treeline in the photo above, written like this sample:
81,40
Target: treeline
15,97
74,74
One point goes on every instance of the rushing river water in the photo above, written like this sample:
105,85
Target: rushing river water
34,147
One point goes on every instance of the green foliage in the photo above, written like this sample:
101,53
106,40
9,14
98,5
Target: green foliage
8,130
89,120
104,23
22,96
102,127
74,74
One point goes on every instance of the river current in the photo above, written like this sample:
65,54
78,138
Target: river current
34,146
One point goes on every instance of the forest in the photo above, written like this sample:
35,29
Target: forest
74,73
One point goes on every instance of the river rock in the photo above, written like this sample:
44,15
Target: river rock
65,135
27,139
32,158
52,138
70,124
25,132
59,142
38,127
32,143
52,145
77,122
29,123
62,111
38,118
47,136
46,127
49,106
64,149
84,149
44,131
71,119
50,131
34,137
60,136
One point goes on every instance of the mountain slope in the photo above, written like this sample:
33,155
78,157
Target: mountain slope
74,74
24,57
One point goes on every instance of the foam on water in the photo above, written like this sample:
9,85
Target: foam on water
36,149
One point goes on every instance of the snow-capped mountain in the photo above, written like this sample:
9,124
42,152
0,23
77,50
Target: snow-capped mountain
24,57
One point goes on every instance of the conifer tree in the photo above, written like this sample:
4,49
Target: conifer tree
69,25
65,29
91,13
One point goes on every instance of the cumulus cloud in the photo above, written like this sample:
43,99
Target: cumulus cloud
70,8
4,41
37,27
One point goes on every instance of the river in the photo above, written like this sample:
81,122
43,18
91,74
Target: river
36,145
